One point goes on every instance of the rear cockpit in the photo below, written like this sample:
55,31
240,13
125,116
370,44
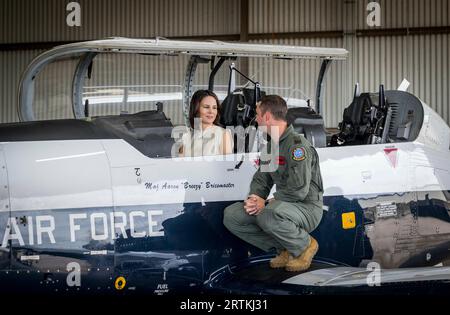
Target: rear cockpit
383,117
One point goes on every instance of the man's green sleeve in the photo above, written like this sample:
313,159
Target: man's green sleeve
261,184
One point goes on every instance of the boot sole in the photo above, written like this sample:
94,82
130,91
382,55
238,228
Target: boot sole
306,267
277,266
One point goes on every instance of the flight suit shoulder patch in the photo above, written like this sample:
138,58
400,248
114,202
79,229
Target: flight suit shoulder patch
298,153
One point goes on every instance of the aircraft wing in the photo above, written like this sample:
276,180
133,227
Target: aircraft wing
327,278
351,276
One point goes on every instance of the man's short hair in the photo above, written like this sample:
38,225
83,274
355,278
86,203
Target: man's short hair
275,105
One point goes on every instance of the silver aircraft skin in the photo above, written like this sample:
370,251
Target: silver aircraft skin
102,202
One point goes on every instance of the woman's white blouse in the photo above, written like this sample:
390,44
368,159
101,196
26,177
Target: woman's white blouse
204,142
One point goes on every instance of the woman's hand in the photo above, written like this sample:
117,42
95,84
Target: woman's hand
227,143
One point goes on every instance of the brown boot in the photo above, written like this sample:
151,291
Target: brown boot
303,262
280,260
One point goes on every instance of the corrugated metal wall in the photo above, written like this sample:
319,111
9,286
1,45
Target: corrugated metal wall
407,13
422,59
12,64
271,16
45,20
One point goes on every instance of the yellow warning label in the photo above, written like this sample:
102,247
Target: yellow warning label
120,283
348,220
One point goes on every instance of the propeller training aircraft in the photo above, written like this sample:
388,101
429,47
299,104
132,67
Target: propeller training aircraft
93,198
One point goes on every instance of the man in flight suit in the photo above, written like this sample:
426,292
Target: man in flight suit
284,222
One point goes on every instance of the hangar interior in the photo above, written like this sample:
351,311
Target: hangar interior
410,41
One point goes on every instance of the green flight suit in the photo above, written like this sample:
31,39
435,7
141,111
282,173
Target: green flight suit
297,209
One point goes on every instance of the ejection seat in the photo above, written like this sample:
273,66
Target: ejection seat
383,117
238,111
356,120
307,122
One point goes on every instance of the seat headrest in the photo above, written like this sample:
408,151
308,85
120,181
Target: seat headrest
354,113
230,104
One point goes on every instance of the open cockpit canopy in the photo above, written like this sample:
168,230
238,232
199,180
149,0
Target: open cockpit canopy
121,75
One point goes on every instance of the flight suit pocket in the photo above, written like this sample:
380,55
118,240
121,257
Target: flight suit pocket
294,177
